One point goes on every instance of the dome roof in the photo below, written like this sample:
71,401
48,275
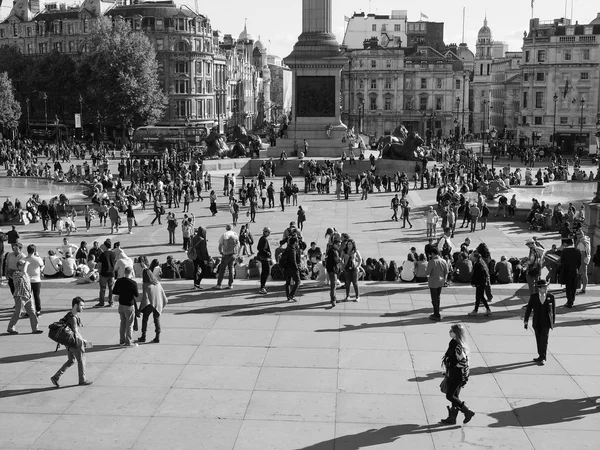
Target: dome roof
596,21
244,35
259,45
484,31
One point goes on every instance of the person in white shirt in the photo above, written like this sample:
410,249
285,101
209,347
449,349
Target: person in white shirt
66,247
34,270
69,265
123,261
408,269
52,265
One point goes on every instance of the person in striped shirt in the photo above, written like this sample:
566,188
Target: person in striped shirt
22,295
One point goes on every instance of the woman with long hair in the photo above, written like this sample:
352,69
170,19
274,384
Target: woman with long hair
352,261
421,269
456,364
408,269
155,268
82,253
153,301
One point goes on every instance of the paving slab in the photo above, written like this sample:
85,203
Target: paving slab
239,370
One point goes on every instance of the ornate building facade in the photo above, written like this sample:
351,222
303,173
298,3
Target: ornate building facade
418,87
560,87
206,84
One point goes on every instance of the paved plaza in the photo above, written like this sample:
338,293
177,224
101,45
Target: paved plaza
239,370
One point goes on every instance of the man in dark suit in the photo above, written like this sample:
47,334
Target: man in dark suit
570,262
544,314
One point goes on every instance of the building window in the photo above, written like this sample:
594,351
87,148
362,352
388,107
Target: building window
209,86
526,56
539,99
581,120
361,84
567,55
29,49
388,64
423,83
160,45
374,27
71,47
29,31
457,84
397,27
438,103
373,84
585,55
181,24
541,56
524,120
200,86
564,120
2,33
537,120
408,104
200,108
183,108
540,76
372,103
86,25
525,77
584,76
423,103
207,69
182,86
388,104
525,98
15,29
42,47
181,67
383,27
182,46
438,83
58,46
373,64
388,83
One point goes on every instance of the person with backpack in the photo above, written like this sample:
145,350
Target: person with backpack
77,352
159,210
22,294
228,248
485,212
198,252
290,263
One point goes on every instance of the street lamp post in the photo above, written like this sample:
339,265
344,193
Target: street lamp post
429,118
81,115
45,97
456,129
27,103
493,134
555,98
582,103
483,131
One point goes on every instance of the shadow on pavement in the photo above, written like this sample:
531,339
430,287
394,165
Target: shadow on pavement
377,436
476,370
34,356
6,393
547,413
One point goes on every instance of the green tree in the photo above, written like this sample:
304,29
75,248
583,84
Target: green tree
10,110
119,76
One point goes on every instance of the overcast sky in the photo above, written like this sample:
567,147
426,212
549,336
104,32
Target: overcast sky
279,21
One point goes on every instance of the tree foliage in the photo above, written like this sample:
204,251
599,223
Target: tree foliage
10,110
119,76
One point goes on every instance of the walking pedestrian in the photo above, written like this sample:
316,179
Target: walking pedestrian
198,252
127,290
432,220
115,218
570,263
171,227
130,218
533,265
406,214
395,203
106,270
332,264
301,218
229,245
153,301
290,262
543,306
585,247
22,295
480,280
265,257
35,266
73,321
456,364
351,261
437,273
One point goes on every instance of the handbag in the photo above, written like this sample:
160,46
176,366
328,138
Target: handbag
444,385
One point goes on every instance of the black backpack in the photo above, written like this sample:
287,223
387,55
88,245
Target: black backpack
284,259
61,333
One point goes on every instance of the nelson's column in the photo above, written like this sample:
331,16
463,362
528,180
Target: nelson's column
316,64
